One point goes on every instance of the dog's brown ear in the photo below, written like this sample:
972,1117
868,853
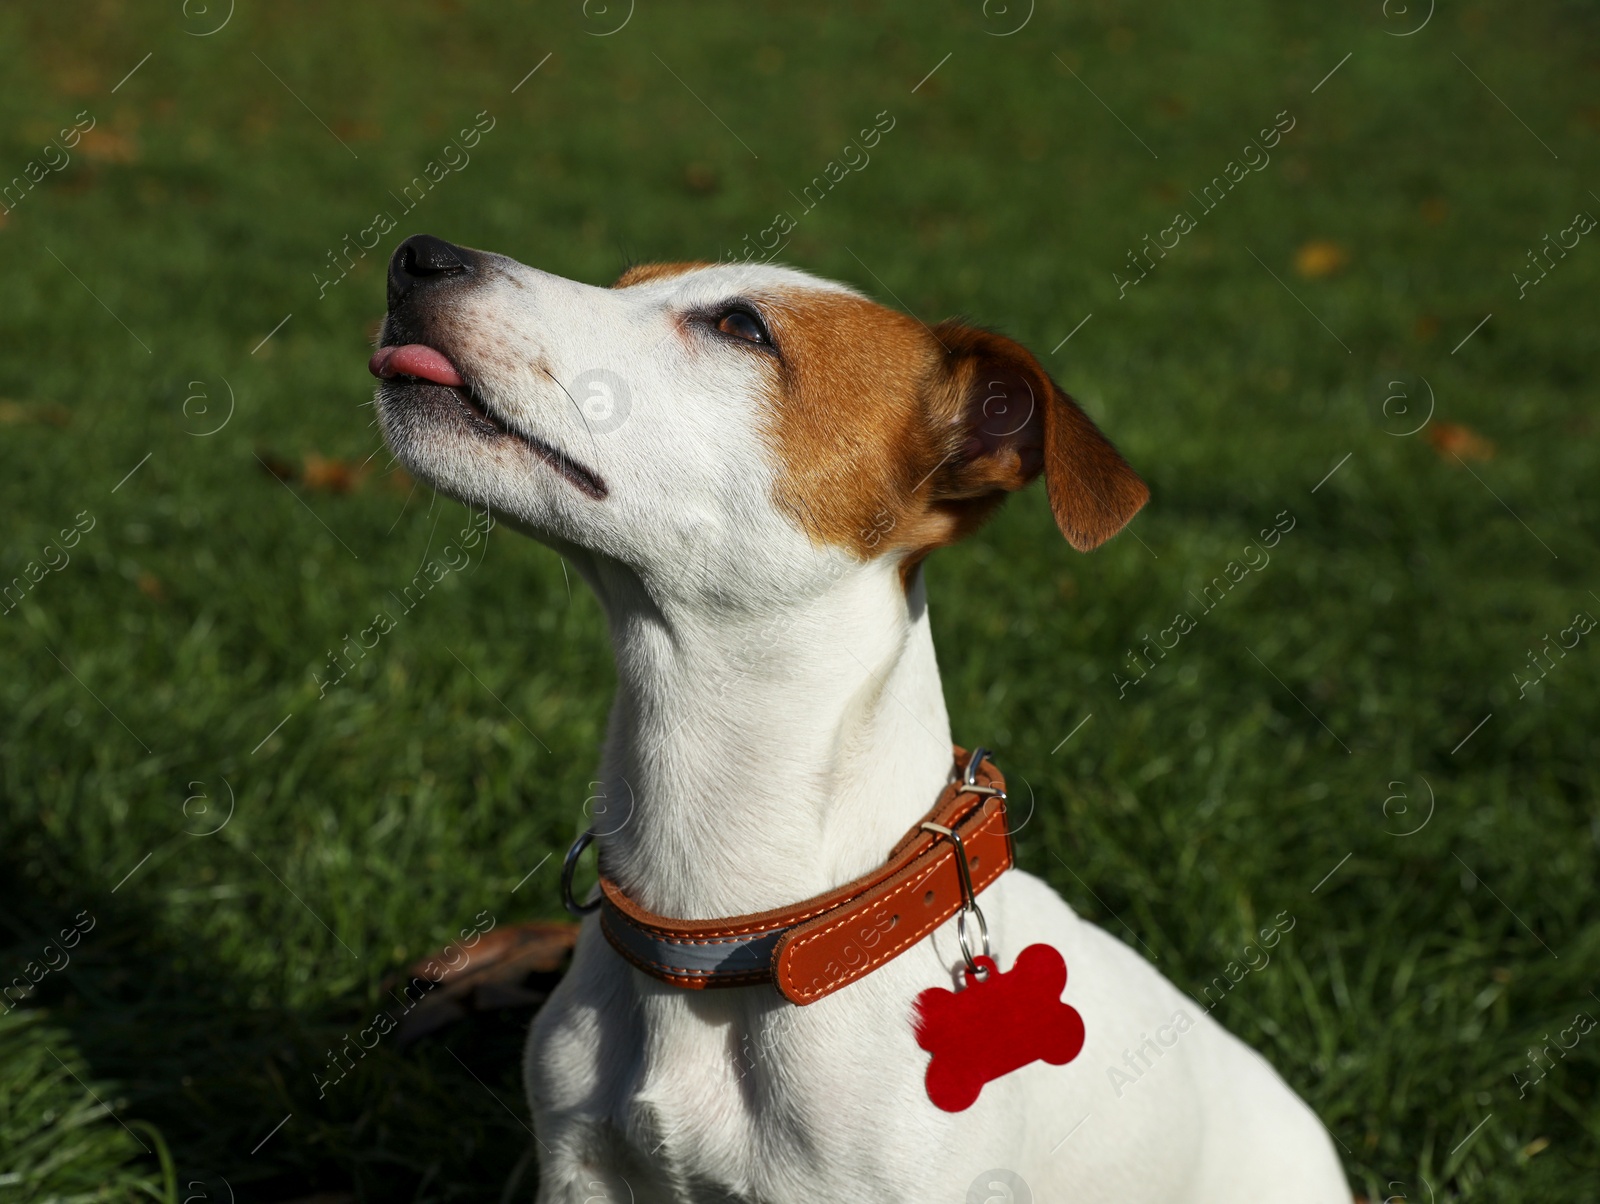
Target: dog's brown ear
1013,422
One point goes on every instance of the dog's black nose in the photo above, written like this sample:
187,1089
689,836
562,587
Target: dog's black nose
423,258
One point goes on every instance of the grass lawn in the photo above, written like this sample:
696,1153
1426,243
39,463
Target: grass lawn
1342,734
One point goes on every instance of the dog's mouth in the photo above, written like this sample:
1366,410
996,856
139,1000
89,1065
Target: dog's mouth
415,365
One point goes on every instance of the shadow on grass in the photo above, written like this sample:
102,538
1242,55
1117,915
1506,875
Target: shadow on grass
238,1085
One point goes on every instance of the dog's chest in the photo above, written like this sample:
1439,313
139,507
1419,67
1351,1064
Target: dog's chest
736,1099
710,1097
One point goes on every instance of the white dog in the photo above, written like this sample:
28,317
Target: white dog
748,465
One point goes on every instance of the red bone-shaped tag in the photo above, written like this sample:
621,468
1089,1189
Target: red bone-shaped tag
998,1024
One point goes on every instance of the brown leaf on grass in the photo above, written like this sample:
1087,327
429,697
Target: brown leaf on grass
325,474
332,475
508,967
100,145
700,179
80,79
1451,439
356,130
43,412
150,586
1319,258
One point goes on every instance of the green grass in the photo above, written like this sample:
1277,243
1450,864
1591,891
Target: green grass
1252,763
58,1145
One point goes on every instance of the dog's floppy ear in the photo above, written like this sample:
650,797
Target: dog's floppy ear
1013,422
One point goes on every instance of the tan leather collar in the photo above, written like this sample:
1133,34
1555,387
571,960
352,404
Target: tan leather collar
814,947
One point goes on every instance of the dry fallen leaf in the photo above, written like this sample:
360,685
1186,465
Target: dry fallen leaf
1319,258
493,974
78,79
328,474
101,145
13,412
700,179
331,474
358,131
1453,439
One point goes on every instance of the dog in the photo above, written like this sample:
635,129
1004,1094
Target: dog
749,465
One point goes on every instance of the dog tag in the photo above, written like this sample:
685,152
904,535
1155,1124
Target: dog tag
996,1024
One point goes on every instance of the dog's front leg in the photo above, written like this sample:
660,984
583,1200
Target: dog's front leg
576,1069
577,1183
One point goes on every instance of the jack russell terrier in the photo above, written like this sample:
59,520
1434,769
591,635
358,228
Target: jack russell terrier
811,973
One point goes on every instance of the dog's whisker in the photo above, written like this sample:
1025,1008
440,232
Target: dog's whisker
582,417
406,506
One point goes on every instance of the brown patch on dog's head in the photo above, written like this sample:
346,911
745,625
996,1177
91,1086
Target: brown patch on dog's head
892,436
643,273
852,436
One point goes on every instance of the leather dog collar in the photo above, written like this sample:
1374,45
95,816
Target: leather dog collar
812,948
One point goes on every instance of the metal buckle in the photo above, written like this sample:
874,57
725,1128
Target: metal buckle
571,863
969,779
969,898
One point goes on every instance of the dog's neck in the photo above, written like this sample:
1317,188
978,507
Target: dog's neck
755,760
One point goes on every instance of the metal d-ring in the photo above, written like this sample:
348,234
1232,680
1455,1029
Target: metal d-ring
969,898
571,863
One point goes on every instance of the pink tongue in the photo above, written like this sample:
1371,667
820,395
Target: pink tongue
414,360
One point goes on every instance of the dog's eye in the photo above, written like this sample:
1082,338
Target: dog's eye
744,324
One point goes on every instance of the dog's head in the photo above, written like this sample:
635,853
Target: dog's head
723,428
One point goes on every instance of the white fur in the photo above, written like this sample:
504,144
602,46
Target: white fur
779,724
